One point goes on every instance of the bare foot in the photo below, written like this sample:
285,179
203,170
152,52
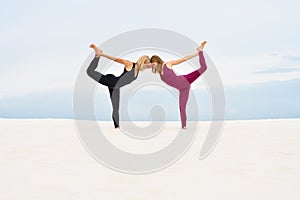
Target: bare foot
93,46
201,47
117,129
98,51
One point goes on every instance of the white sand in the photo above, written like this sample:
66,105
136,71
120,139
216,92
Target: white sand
43,159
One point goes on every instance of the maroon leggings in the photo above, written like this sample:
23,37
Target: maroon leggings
191,77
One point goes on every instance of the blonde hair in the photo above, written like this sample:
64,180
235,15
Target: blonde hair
140,62
159,61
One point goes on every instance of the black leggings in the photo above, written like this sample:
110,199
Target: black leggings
114,94
110,81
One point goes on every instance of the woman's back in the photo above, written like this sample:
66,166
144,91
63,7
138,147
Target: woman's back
170,78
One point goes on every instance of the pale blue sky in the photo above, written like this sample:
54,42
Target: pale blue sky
44,43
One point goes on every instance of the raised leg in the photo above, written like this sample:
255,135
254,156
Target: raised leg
191,77
91,70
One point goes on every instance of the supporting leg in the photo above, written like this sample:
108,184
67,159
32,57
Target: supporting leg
115,100
183,98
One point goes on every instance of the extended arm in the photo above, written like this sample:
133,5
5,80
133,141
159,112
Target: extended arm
181,60
118,60
99,53
176,62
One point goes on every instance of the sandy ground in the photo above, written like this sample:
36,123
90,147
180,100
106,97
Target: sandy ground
44,159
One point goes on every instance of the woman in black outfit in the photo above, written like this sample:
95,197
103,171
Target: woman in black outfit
114,83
